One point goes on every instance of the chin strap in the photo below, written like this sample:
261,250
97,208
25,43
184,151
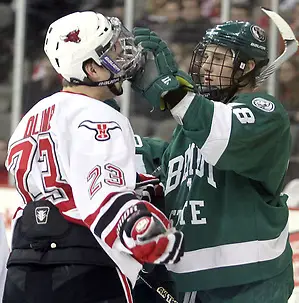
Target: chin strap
215,94
110,83
115,91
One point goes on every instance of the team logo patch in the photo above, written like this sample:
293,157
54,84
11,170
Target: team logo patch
41,214
258,33
263,104
72,36
102,129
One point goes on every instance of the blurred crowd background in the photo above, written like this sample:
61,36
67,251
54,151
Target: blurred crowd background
182,23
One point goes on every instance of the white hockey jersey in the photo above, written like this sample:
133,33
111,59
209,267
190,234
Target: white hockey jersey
78,153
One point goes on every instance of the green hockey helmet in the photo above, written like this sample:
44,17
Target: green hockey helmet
243,41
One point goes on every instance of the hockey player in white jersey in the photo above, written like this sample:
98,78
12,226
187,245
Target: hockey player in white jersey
80,232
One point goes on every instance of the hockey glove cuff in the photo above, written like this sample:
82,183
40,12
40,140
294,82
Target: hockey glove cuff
149,188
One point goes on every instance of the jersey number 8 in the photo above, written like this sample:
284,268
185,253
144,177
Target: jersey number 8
244,115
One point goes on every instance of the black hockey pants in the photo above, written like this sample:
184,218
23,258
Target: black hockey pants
64,284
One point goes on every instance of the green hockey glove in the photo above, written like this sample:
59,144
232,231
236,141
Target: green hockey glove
153,43
152,85
160,73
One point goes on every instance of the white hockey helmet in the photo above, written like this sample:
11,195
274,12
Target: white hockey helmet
80,36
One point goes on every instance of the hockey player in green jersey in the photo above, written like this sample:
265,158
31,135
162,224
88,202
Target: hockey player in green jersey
223,170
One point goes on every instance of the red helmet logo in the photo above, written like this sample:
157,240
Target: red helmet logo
72,36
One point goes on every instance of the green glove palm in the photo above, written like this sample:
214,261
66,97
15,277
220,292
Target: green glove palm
160,73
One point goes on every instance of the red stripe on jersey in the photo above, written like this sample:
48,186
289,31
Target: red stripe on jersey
145,177
126,286
15,214
111,237
66,205
90,219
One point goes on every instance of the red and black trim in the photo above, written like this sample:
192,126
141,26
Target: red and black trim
126,286
112,212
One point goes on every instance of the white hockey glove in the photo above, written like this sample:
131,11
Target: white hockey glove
146,233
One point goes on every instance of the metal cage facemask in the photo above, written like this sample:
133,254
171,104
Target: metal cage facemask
215,70
120,56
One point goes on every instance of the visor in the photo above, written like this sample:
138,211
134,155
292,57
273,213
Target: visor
120,56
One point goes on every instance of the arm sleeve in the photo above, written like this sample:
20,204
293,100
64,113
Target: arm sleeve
149,152
103,175
157,147
235,136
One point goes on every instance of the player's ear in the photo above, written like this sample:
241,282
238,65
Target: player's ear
250,65
89,68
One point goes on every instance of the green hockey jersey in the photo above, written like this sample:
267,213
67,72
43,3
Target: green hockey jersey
223,173
148,152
